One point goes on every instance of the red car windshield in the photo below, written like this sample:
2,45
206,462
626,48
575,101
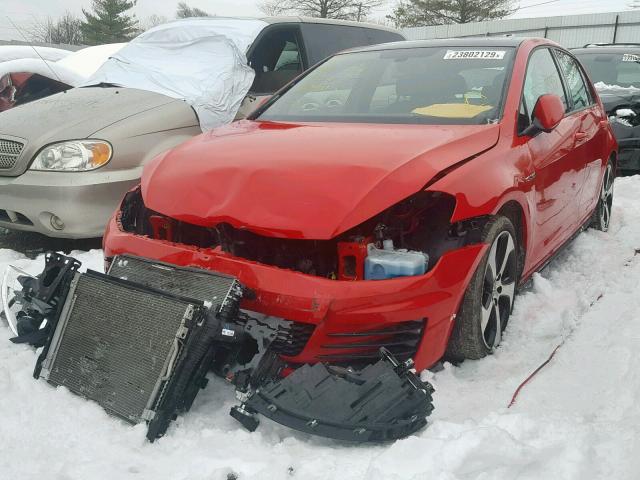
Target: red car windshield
430,85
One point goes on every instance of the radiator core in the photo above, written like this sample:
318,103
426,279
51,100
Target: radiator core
120,342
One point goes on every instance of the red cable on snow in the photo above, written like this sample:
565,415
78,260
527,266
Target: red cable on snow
515,394
533,374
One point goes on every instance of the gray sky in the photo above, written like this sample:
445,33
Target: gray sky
24,12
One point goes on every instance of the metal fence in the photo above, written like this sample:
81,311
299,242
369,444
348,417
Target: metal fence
570,31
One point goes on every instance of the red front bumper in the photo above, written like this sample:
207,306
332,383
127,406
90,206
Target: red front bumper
340,310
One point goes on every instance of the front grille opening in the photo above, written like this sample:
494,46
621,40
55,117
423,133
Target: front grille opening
10,150
7,161
290,341
420,223
401,339
313,257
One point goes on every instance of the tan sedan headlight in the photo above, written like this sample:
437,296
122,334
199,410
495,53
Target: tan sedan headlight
73,156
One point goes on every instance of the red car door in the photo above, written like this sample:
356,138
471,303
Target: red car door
558,172
590,137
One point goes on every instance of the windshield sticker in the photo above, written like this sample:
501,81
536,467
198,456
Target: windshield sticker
452,110
474,54
628,57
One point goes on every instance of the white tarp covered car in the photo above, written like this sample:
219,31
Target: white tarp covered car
201,61
15,52
42,71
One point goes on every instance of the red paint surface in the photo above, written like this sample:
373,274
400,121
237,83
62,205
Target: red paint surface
311,181
549,110
315,181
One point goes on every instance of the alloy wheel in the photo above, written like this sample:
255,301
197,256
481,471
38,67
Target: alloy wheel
606,197
498,289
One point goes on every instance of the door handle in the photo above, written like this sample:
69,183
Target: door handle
580,135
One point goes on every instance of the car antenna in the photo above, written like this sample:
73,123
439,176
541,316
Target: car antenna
34,49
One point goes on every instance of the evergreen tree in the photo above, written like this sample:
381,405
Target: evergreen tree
108,22
417,13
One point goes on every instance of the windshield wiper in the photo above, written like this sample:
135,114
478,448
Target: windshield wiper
102,85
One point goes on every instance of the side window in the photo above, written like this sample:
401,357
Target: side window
323,40
542,78
381,36
276,59
290,58
578,90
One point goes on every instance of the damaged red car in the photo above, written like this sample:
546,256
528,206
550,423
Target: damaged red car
393,196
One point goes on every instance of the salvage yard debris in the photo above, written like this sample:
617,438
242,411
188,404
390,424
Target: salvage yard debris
140,341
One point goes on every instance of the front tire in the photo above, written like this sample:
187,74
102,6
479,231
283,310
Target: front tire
488,301
602,213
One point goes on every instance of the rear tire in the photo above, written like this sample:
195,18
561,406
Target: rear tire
602,213
488,301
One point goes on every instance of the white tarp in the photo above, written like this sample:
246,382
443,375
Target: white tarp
85,62
200,60
46,69
14,52
74,69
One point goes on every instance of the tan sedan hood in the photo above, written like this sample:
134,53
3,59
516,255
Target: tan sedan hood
76,113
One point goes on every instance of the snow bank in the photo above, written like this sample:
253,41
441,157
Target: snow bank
577,419
602,87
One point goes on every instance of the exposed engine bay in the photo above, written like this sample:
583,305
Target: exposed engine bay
414,234
141,339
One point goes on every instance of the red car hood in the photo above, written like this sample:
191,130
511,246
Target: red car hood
311,181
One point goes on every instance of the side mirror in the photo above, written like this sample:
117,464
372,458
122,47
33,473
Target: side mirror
547,114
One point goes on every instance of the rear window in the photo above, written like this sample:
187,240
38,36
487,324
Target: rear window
431,85
612,69
322,40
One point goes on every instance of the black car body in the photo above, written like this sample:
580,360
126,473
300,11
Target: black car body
615,71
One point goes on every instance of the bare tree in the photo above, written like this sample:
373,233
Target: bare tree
64,30
272,8
185,11
339,9
153,21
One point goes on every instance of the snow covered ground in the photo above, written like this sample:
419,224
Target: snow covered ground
577,419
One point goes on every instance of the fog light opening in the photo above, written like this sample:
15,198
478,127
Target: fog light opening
56,222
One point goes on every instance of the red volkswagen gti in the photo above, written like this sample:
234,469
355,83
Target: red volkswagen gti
395,195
